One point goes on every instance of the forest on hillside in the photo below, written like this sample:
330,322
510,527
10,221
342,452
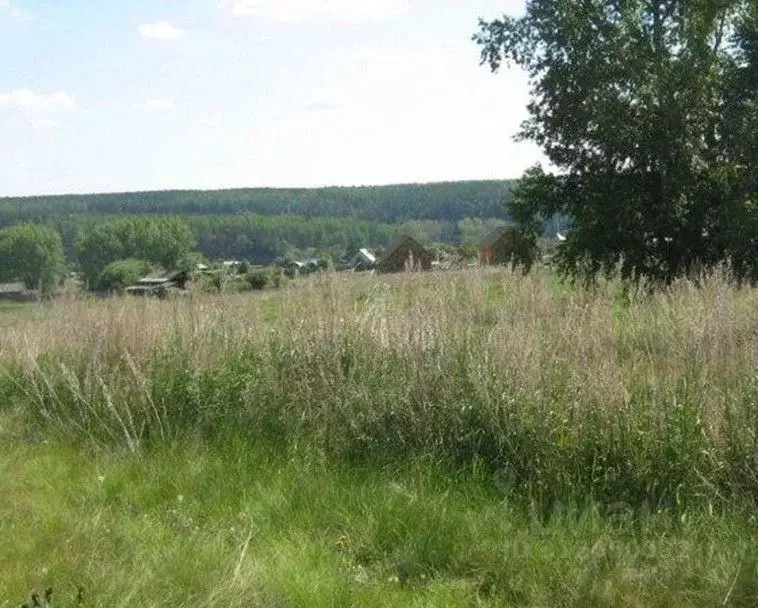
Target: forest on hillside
451,201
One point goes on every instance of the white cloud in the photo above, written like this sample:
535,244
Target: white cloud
308,10
157,105
24,98
7,8
161,30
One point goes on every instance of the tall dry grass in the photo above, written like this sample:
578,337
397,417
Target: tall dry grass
561,391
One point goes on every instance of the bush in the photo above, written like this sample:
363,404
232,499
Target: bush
257,279
120,274
276,277
211,282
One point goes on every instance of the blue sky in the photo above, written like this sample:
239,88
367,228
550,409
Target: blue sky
115,95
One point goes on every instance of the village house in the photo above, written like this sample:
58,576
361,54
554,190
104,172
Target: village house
362,261
406,254
17,292
233,266
311,264
497,247
503,246
160,285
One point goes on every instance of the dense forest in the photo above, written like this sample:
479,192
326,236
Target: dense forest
451,201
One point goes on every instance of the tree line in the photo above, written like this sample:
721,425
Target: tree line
444,202
262,239
112,250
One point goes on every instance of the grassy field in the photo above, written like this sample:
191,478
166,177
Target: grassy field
458,439
12,312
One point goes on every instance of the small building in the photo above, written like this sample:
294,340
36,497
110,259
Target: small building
17,292
501,246
160,285
233,266
406,254
362,261
293,268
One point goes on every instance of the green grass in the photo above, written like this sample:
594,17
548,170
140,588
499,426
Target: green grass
234,525
13,312
472,439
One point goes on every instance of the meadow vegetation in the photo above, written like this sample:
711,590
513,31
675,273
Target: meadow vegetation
473,438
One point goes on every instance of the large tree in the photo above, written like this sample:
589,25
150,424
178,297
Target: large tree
165,241
647,110
33,254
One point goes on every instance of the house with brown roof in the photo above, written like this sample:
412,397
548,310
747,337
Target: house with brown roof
406,254
501,246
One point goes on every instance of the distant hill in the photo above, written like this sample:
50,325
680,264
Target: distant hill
445,202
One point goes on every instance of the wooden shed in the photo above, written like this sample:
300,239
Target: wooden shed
500,247
406,254
17,292
160,285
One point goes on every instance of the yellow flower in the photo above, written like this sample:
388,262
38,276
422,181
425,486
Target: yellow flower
340,543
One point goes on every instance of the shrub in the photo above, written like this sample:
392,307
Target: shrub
257,279
120,274
276,277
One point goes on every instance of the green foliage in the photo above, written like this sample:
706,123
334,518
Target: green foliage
264,225
449,202
118,275
213,282
427,232
325,262
473,230
523,249
648,111
165,241
381,439
33,254
257,279
237,524
264,239
570,394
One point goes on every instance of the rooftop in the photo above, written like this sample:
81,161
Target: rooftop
12,288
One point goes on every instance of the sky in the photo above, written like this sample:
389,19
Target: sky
125,95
